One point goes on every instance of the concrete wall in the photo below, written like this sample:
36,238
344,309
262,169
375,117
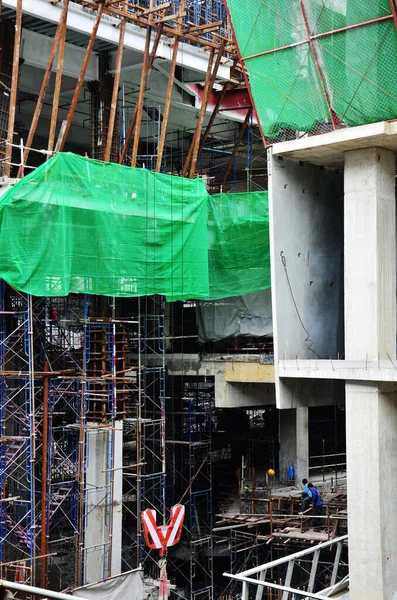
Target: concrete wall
306,207
306,233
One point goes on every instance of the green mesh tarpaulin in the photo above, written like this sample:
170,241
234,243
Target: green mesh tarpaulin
239,253
356,68
82,226
77,225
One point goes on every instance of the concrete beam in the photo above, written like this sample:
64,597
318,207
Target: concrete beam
82,20
329,149
249,372
352,370
36,49
244,395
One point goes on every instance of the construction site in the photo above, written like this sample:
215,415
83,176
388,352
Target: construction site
198,368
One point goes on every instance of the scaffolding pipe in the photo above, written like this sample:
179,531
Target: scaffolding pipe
30,589
14,88
65,130
58,81
43,532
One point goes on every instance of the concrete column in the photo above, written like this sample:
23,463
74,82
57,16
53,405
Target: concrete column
117,500
370,334
103,504
294,442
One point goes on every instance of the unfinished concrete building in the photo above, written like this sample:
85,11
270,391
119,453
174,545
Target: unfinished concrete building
197,297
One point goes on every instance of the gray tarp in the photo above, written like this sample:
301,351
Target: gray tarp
250,314
125,587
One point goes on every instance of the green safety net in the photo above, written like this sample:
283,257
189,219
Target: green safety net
78,225
82,226
239,251
356,68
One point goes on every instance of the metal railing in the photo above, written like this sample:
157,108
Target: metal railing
248,579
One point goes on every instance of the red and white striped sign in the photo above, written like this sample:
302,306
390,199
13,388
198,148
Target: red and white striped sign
161,537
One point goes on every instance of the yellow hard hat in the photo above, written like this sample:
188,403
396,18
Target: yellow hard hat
271,472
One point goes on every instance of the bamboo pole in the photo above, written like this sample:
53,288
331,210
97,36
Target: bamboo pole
134,114
141,97
116,83
14,88
195,146
171,76
65,130
58,81
44,85
236,146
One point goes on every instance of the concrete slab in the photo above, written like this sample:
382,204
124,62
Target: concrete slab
328,149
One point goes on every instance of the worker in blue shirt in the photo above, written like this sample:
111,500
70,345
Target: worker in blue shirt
306,495
317,502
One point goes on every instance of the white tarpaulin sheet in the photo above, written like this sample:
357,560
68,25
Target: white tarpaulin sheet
125,587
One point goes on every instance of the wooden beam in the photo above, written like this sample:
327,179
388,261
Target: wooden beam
44,85
227,85
236,146
115,94
204,101
203,108
14,88
58,81
141,98
171,76
134,114
80,81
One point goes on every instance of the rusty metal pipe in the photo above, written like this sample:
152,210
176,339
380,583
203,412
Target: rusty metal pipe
65,130
113,107
44,85
141,97
134,114
58,81
14,87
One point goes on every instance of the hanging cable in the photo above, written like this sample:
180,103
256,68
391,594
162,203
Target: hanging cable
308,338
